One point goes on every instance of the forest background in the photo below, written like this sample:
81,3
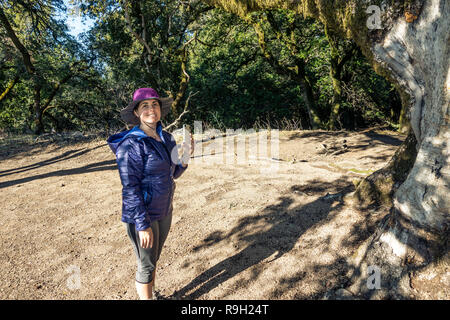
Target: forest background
274,68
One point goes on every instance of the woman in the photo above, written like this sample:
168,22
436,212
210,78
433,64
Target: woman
147,158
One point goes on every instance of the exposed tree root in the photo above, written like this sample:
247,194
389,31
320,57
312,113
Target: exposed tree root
379,187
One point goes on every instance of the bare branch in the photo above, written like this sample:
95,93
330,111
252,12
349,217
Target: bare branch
186,105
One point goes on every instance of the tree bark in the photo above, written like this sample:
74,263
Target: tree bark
411,50
404,120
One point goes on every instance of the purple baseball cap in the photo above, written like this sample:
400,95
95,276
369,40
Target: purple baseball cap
142,94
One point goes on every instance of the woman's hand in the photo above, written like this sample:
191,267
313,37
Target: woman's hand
146,238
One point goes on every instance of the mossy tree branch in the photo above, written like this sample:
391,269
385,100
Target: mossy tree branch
9,87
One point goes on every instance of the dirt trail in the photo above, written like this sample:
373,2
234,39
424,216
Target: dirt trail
237,233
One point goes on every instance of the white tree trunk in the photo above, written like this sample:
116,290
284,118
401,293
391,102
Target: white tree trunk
417,54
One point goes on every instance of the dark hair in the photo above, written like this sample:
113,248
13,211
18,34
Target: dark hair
137,106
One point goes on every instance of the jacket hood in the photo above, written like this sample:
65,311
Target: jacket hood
116,140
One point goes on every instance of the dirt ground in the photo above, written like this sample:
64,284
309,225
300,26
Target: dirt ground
239,231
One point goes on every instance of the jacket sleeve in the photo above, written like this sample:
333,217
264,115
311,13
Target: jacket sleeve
179,170
130,162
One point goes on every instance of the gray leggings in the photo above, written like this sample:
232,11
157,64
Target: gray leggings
147,258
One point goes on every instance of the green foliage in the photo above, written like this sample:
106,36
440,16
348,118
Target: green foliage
236,82
236,85
57,62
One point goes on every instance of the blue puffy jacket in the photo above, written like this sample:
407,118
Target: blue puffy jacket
147,172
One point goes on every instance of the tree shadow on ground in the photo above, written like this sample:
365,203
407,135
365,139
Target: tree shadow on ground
342,273
385,139
329,277
272,232
318,135
28,145
65,156
99,166
376,158
335,140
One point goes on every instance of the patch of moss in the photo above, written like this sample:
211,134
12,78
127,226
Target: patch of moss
355,170
377,189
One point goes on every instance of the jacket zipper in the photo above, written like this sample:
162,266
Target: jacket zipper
170,177
171,191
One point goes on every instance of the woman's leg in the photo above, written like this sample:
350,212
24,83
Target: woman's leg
144,290
147,258
164,228
146,261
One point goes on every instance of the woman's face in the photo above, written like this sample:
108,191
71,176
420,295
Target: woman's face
148,111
